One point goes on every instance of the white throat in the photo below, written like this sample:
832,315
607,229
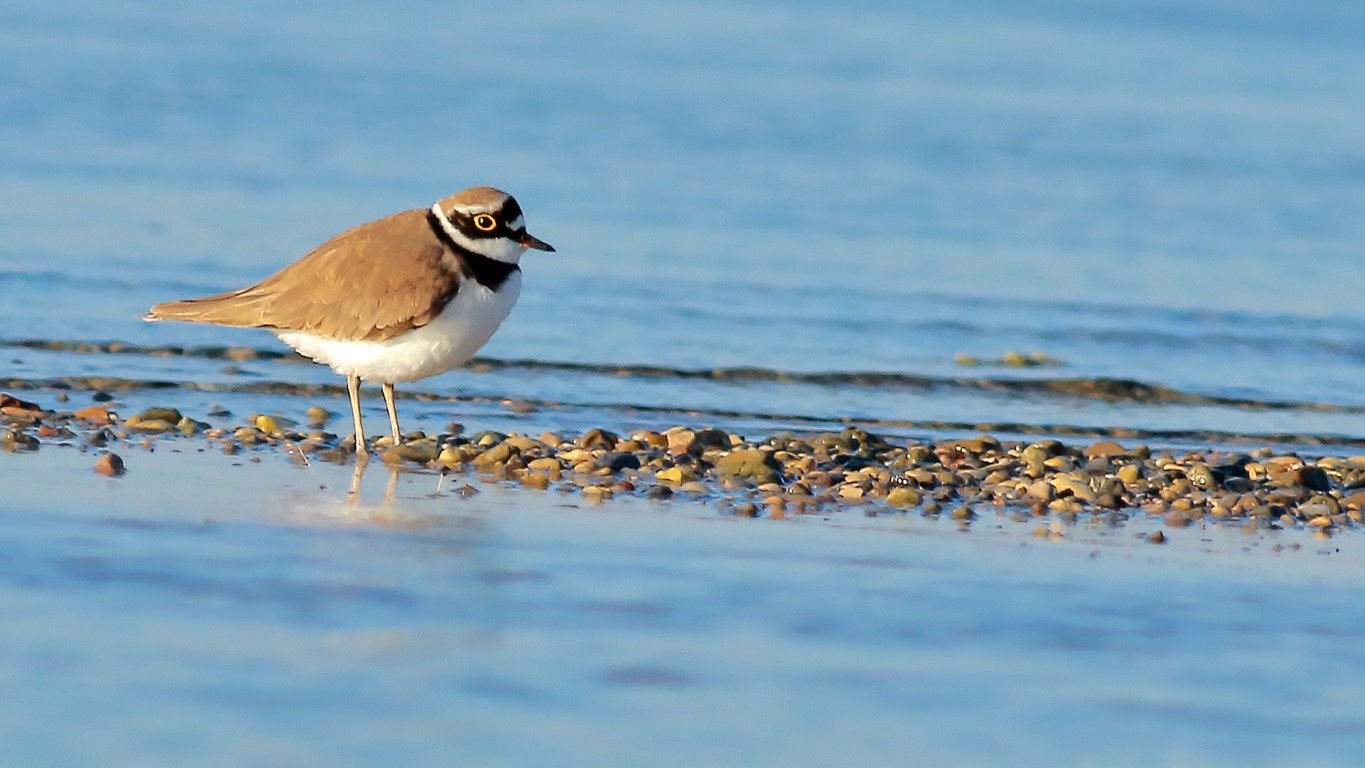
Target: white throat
499,248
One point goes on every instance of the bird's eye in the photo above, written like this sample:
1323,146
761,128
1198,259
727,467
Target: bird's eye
485,223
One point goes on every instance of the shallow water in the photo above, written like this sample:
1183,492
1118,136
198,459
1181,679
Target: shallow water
828,205
1142,191
293,624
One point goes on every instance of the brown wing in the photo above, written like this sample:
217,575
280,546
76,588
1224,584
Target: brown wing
372,282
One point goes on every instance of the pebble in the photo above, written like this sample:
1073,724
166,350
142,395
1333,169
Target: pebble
597,492
903,497
680,440
95,414
615,461
499,453
795,474
676,475
1105,448
170,415
110,465
752,463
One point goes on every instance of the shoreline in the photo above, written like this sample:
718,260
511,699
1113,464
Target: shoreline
103,386
1043,483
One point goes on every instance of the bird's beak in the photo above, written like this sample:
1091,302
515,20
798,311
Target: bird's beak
531,242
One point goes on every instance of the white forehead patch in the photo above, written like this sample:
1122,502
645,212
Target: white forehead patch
517,223
470,210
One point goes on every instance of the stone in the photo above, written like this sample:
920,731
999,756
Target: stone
1315,479
498,454
170,415
1042,490
617,461
597,493
681,440
752,463
149,426
1109,501
676,475
711,437
110,465
651,439
10,403
423,452
598,438
903,497
525,444
1105,448
17,440
1046,448
487,437
95,414
973,445
450,457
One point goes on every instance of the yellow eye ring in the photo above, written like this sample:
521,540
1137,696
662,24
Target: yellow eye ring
485,223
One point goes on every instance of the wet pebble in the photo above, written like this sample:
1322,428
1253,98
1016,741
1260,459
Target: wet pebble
110,465
796,474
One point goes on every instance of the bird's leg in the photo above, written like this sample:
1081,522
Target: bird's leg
393,413
353,387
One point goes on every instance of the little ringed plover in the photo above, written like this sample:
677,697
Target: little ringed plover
398,299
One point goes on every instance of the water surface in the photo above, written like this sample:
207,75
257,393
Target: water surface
269,618
1142,191
826,204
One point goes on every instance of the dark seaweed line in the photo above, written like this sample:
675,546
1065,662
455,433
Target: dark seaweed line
1105,389
1212,437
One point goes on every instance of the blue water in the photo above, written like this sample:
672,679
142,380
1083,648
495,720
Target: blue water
1168,192
1164,192
299,626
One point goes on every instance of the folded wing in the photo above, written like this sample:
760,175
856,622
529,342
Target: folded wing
370,283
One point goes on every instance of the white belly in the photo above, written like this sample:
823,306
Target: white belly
465,325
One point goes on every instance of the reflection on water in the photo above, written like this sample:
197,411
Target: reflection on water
344,623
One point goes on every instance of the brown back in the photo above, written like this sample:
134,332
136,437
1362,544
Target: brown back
369,283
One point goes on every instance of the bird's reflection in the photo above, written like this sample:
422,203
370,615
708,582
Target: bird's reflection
423,511
358,476
452,550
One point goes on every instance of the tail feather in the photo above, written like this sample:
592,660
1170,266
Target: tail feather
237,308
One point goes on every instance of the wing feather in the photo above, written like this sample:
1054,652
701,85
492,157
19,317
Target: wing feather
369,283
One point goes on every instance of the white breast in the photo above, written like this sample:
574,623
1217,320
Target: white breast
465,325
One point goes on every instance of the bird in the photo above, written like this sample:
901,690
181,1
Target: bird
398,299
